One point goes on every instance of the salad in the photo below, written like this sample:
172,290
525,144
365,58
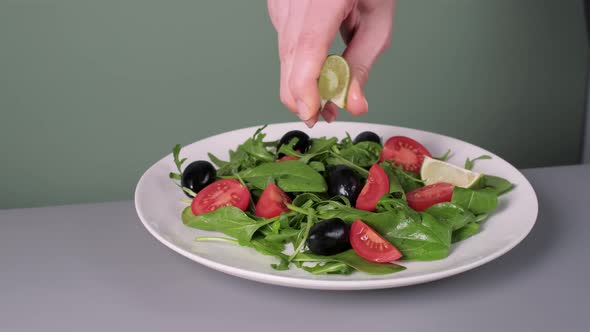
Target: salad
332,206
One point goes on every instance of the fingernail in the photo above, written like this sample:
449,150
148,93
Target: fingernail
303,111
329,114
310,123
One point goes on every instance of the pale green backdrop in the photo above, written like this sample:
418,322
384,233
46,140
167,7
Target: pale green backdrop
93,92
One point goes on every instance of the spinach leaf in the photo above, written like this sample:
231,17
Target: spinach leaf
469,163
363,154
498,184
395,187
418,236
476,201
290,176
335,159
465,232
228,220
481,217
451,214
353,260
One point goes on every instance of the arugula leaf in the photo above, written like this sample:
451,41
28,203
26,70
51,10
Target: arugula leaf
445,156
216,161
469,163
353,260
290,176
465,232
451,214
329,268
228,220
476,201
363,154
406,179
178,162
321,145
394,184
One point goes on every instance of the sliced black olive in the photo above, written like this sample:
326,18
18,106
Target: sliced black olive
302,144
329,237
342,180
367,136
197,175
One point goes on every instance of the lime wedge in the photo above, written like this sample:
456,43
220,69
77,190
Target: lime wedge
434,170
334,81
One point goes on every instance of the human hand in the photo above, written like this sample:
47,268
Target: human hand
306,30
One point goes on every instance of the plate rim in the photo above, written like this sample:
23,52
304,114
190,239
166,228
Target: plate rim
334,284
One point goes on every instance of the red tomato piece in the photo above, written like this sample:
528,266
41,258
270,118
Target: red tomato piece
272,202
421,199
226,192
376,186
370,245
285,158
405,152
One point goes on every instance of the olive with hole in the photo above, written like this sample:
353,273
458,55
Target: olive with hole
197,175
342,180
367,136
303,141
329,237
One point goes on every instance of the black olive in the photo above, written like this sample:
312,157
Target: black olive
197,175
342,180
302,144
367,136
329,237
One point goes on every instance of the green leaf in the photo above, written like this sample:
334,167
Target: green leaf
465,232
469,163
353,260
394,184
363,154
445,156
406,179
451,214
329,268
175,176
418,236
498,184
318,166
290,176
175,156
476,201
216,161
321,145
481,217
188,191
228,220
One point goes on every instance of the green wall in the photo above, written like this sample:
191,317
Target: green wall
92,92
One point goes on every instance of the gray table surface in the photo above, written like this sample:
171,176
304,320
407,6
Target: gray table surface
94,267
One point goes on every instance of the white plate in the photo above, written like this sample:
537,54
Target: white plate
158,203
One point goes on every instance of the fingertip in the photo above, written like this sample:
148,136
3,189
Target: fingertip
330,112
356,102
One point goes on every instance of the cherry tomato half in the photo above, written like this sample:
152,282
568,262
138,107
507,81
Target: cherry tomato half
376,186
370,245
421,199
405,152
272,202
226,192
